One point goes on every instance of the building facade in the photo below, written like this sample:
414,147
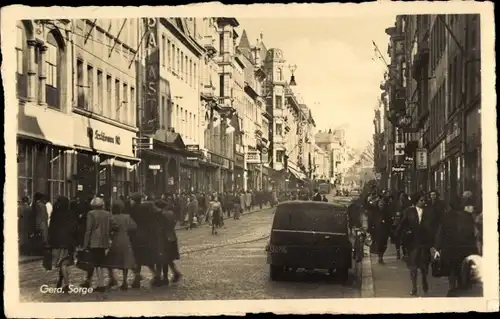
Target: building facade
77,74
433,90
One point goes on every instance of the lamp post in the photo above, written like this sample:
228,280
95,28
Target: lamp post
292,69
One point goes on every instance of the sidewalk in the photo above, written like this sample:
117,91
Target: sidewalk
392,280
196,235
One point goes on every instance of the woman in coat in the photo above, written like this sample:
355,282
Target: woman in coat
215,213
145,238
120,255
417,222
455,240
398,207
169,247
97,240
62,239
381,221
24,222
41,223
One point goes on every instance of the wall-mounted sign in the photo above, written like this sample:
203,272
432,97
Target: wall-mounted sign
170,181
253,157
80,187
422,158
216,159
154,167
399,149
102,136
398,169
152,89
195,148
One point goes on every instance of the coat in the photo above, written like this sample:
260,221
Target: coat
41,220
169,247
381,222
145,239
248,199
98,230
317,197
121,255
192,209
420,238
242,201
455,239
437,210
63,227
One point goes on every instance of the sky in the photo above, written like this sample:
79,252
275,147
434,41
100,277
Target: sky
338,75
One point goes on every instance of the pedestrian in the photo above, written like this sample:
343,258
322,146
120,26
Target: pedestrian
24,229
120,255
418,221
456,239
324,198
192,210
169,246
97,241
248,200
382,223
317,196
62,239
39,238
49,207
399,240
437,208
215,213
238,206
145,238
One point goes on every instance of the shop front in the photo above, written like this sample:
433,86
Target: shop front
104,160
438,168
472,156
453,157
239,172
44,150
223,178
208,174
266,181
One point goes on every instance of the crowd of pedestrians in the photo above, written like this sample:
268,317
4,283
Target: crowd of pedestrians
427,234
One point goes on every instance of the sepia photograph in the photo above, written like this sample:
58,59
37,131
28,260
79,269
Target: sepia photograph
224,154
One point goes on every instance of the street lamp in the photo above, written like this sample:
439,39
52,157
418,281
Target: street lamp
292,69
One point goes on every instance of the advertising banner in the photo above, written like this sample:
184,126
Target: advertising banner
422,158
150,114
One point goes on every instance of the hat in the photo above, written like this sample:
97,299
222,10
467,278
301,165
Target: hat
136,197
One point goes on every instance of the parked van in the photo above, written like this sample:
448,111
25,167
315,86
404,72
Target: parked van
310,235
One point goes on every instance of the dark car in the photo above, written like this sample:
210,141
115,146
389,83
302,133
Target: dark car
310,235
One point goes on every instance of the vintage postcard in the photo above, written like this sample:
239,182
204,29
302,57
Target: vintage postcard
213,159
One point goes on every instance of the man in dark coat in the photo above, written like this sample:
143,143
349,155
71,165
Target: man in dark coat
417,221
437,208
145,239
455,240
381,221
317,196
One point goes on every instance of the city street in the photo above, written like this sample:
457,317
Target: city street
231,265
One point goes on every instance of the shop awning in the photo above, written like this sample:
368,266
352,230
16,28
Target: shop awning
123,158
297,174
116,163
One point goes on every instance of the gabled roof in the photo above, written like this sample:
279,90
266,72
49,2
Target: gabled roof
244,46
175,139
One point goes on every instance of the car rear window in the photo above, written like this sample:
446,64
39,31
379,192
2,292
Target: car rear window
319,218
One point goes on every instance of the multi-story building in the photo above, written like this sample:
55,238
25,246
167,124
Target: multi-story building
433,82
321,161
170,58
77,74
309,127
252,115
333,142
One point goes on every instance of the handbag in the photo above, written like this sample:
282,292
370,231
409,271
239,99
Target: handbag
84,260
437,268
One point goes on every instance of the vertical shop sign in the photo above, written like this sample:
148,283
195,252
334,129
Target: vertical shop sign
150,120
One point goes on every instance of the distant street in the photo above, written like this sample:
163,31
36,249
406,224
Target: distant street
235,268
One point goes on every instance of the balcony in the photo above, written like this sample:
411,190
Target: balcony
209,45
420,62
259,133
260,73
251,90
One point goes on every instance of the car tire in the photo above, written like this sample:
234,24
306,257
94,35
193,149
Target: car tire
275,272
342,274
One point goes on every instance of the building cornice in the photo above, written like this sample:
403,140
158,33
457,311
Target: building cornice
187,40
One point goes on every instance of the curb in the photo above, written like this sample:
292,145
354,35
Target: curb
367,287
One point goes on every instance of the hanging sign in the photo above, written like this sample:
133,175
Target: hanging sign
399,149
150,114
253,157
422,158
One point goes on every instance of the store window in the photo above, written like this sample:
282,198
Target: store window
56,178
118,182
25,171
280,155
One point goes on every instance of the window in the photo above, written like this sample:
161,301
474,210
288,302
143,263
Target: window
162,112
163,51
190,72
173,58
185,122
81,103
280,74
21,60
280,156
279,129
132,106
90,88
117,100
177,119
118,181
51,70
178,69
57,177
181,70
279,102
25,170
186,69
100,97
195,75
124,104
169,65
109,107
